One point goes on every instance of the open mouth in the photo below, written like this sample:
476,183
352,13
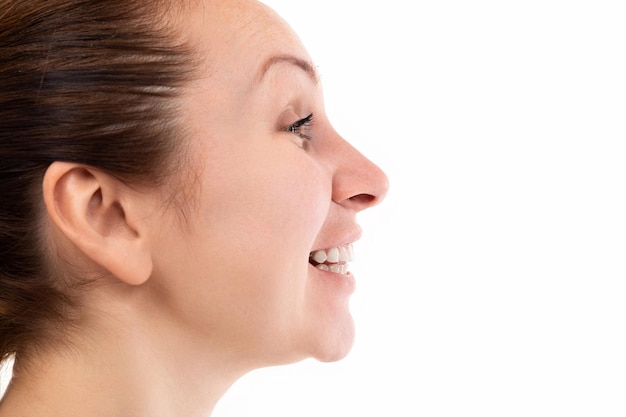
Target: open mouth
333,259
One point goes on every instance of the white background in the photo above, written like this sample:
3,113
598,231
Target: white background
492,281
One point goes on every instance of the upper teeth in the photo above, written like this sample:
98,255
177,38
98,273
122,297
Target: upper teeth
333,259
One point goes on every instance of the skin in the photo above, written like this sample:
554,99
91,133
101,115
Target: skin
185,305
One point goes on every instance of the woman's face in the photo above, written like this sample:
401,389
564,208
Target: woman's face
273,183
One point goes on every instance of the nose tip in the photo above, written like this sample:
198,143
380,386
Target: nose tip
383,186
362,185
378,185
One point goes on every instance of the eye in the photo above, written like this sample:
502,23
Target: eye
301,126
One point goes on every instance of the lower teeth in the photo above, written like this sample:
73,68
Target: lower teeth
336,268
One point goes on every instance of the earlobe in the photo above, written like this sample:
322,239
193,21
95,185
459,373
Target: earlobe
101,217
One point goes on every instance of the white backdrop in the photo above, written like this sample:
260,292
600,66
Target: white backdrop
491,282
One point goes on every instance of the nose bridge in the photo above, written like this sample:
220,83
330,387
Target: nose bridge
358,183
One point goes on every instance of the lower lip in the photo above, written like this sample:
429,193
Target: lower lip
344,283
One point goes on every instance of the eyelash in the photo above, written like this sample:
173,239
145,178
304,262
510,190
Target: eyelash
302,123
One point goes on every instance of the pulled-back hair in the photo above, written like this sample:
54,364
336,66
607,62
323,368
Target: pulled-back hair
87,81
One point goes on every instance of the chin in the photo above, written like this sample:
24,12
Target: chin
336,356
335,347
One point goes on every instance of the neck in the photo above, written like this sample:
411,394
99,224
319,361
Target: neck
144,368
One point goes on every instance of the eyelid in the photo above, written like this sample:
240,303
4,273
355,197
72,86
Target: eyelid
304,122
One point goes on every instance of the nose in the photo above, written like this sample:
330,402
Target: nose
358,183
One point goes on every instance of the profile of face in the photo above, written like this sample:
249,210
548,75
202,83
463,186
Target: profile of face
252,268
263,268
192,219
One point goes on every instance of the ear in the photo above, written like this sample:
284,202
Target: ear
101,217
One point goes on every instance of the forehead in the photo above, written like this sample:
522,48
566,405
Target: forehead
235,38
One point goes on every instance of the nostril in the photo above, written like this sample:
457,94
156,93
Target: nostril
359,183
364,199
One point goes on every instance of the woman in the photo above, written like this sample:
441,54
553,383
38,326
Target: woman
176,208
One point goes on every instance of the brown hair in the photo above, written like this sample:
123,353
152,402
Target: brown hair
86,81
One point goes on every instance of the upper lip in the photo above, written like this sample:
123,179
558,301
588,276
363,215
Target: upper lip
346,239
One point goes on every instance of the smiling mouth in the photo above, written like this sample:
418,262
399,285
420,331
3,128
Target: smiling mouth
333,259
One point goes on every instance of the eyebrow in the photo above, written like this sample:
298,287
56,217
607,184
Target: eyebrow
304,65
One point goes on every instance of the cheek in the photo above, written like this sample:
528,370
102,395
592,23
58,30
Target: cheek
259,220
258,228
297,206
279,200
